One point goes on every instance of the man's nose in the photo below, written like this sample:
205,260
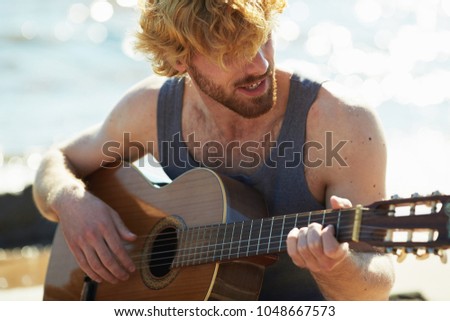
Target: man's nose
258,65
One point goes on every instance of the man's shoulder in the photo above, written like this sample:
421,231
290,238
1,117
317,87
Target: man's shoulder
337,106
142,95
147,86
139,103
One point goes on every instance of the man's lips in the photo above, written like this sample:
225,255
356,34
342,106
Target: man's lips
254,88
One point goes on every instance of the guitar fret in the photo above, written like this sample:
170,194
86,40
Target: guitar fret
216,244
202,246
262,236
282,232
254,240
265,230
224,241
323,217
270,235
249,238
196,246
214,231
207,243
231,241
290,223
207,246
240,239
275,230
223,230
259,236
236,251
191,247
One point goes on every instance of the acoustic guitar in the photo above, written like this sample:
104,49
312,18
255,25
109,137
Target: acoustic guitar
209,237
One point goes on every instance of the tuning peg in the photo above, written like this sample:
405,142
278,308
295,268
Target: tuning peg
447,208
391,211
401,254
433,204
412,209
421,253
442,255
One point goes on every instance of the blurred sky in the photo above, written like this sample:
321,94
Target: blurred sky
64,63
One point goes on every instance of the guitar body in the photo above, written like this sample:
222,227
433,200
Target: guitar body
207,237
200,197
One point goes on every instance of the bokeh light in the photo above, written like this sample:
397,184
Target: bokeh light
127,3
78,13
101,10
368,11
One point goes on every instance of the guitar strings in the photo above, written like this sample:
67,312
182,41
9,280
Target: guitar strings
189,258
327,215
311,219
344,234
220,231
190,236
192,260
196,249
192,252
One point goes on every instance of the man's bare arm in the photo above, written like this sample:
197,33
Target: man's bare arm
95,232
343,273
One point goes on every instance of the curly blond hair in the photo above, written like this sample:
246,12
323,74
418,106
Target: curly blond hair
172,31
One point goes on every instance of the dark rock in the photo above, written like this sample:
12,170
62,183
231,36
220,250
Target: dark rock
21,223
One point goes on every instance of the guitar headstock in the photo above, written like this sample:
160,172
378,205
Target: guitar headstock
419,225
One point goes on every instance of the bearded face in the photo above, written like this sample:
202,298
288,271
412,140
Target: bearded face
250,97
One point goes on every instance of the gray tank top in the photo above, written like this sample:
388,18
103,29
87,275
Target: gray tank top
281,179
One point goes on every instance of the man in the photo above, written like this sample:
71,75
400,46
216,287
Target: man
228,92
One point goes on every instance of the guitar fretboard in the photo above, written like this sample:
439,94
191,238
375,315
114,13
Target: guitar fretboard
221,242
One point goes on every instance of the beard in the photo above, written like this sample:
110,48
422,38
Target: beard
250,107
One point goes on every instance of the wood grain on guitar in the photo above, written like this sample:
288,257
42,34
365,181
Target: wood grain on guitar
208,237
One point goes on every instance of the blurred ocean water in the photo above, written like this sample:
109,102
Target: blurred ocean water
64,64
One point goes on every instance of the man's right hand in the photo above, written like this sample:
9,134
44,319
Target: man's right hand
95,234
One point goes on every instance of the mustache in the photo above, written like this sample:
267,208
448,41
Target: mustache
253,79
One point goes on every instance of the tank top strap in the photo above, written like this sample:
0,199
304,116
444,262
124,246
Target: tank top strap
173,153
302,94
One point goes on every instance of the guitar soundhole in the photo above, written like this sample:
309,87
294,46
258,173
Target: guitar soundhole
163,252
159,251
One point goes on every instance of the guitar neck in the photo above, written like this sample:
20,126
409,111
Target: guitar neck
221,242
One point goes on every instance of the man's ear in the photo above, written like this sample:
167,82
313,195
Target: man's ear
180,66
